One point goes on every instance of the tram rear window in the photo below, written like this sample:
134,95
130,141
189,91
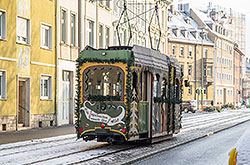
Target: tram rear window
103,81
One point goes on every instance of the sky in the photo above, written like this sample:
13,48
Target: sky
237,5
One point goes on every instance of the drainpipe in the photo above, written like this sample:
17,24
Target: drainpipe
79,26
195,76
215,71
56,120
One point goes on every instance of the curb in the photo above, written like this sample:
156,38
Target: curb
179,144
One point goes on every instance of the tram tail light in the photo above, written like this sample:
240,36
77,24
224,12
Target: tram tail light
87,125
119,126
80,129
123,130
190,105
102,125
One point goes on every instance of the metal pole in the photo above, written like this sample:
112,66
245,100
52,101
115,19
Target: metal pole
202,70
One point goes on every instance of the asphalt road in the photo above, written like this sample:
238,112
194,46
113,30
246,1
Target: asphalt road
212,150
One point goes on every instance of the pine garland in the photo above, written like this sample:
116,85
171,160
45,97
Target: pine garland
128,95
78,98
104,98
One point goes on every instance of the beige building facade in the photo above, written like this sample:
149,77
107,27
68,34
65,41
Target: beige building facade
237,75
192,47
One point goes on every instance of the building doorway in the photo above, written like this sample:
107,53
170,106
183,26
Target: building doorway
23,102
224,96
66,97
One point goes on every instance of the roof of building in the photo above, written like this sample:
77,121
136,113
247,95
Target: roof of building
183,22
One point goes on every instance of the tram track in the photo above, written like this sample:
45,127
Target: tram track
65,150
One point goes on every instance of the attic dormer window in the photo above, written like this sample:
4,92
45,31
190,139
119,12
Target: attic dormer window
175,32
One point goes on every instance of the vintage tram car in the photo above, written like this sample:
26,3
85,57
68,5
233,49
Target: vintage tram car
127,93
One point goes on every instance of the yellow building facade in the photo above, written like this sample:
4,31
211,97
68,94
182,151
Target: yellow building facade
191,46
27,64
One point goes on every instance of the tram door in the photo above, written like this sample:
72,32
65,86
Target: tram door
145,105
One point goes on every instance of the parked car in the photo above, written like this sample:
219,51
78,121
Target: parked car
187,107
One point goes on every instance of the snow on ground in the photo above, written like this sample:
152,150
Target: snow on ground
67,150
243,148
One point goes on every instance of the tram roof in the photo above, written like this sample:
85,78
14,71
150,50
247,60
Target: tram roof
142,56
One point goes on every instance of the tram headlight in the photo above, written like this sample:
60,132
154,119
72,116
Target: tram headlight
103,106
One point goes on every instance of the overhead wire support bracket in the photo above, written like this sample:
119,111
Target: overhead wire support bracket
125,13
155,12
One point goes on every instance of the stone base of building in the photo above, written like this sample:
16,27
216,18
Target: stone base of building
45,120
8,123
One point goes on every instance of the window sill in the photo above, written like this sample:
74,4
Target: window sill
45,99
3,99
3,39
22,43
46,48
74,46
63,44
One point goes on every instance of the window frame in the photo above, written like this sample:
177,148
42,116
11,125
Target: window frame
190,50
63,23
73,33
100,35
50,40
182,51
3,83
3,28
107,36
173,50
27,42
190,71
92,31
49,88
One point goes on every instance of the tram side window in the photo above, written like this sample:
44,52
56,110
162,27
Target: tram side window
163,87
177,88
105,81
134,82
156,86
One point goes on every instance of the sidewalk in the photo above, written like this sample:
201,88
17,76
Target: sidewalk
35,133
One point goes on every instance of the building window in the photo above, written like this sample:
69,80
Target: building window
63,26
107,36
190,70
182,69
173,50
209,71
190,51
182,51
190,90
3,25
100,36
90,33
73,29
46,87
46,36
23,30
108,3
3,87
162,18
205,53
221,92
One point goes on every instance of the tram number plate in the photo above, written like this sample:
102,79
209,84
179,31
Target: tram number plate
101,131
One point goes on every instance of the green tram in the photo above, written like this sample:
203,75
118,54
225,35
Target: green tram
127,94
